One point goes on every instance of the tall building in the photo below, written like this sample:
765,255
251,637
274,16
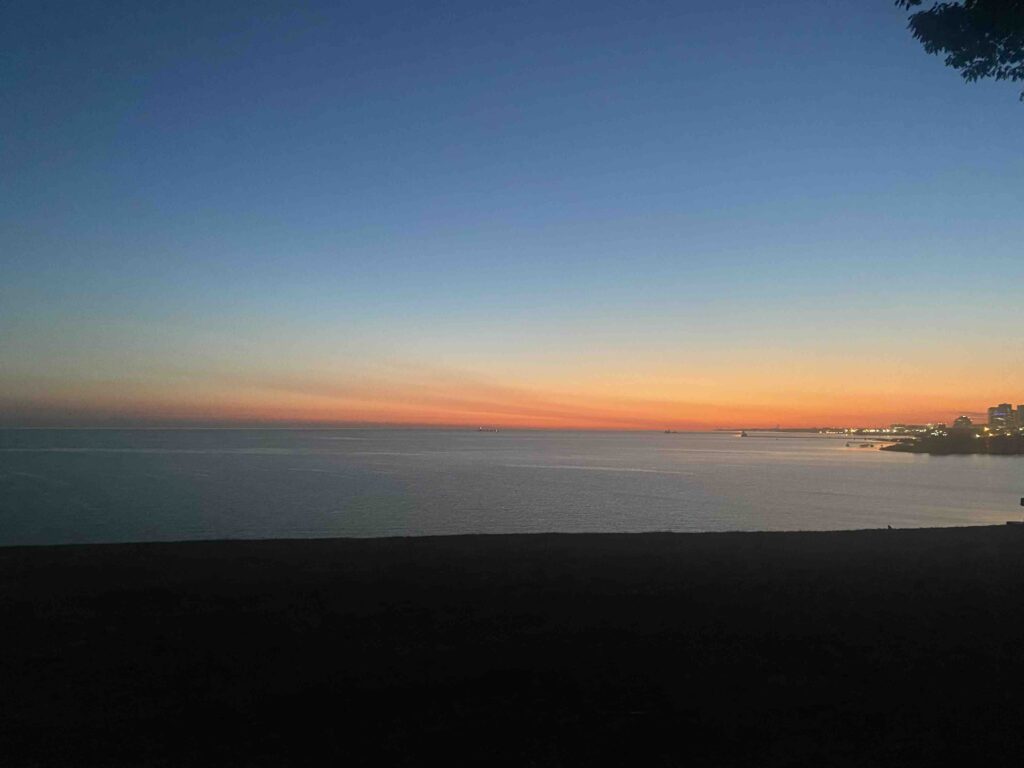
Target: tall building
1001,415
962,422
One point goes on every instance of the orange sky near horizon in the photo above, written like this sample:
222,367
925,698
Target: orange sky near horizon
658,375
445,398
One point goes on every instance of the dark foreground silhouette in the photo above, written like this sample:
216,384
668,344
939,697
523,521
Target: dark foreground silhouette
857,648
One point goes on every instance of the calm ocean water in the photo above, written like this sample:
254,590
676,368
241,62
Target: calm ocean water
139,485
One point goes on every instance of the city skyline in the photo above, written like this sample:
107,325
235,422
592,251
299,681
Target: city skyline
682,215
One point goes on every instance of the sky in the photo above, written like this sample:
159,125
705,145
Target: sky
593,215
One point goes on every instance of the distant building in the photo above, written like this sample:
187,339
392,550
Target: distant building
1002,416
962,422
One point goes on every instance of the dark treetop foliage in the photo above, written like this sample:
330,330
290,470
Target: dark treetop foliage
981,38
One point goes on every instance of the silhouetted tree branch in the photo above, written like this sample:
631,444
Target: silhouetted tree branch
981,38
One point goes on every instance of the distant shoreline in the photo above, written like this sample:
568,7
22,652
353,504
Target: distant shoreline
962,444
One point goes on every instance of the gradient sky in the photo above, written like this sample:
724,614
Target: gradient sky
633,215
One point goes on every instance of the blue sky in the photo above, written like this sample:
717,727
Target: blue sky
540,193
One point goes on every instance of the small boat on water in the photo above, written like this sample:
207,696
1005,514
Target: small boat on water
743,433
487,429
